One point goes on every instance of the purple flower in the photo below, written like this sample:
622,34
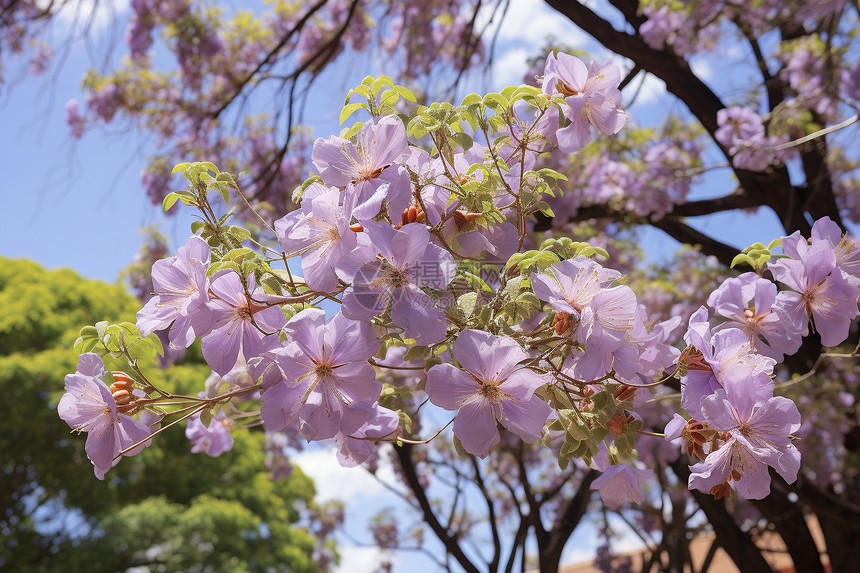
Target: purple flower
726,362
74,119
239,323
737,125
655,354
492,388
361,444
328,383
741,130
822,295
592,97
599,316
571,284
181,292
320,232
393,266
366,168
212,441
757,435
621,484
749,303
845,247
88,406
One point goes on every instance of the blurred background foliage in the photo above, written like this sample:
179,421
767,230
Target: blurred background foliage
166,508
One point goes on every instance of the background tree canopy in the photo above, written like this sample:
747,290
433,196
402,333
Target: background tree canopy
168,509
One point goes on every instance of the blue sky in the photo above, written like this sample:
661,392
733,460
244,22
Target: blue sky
80,204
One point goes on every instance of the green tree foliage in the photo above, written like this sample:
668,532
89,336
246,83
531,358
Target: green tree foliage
166,508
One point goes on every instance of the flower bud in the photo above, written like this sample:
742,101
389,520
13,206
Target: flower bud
720,491
618,422
122,381
624,393
122,397
692,359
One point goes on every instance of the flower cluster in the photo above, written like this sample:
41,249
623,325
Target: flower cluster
738,426
741,130
422,282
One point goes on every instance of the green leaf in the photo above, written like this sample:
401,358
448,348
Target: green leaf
476,282
463,140
180,167
415,353
210,166
239,233
389,98
508,92
206,417
169,201
471,99
467,303
350,109
379,83
496,102
405,93
741,259
353,130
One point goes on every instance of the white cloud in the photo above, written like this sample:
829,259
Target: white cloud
89,16
362,559
523,33
334,481
511,67
651,90
531,21
702,68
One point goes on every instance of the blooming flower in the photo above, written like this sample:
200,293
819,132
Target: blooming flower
181,287
328,383
846,250
88,406
492,388
239,323
621,484
592,97
360,445
756,435
749,302
822,295
212,441
366,168
599,317
726,361
392,266
320,232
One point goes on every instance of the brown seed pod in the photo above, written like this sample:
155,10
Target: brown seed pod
616,424
624,393
122,397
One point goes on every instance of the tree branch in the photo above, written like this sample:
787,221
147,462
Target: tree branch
730,536
404,456
491,511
